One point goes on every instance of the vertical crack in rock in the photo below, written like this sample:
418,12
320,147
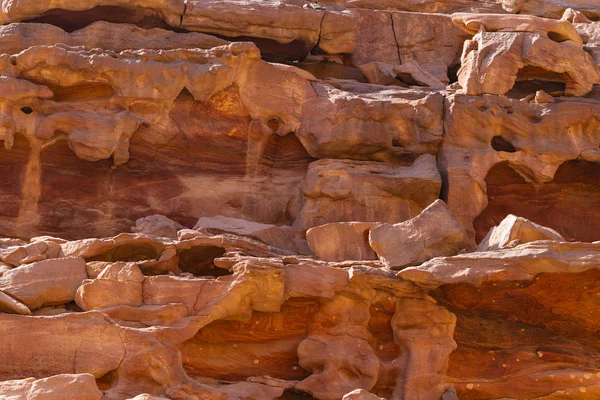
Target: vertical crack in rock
316,46
395,38
185,5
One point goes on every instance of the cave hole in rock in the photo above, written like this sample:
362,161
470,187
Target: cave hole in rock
273,51
501,144
79,92
531,79
107,380
569,204
271,337
453,73
381,313
26,110
129,252
200,260
70,21
273,124
324,70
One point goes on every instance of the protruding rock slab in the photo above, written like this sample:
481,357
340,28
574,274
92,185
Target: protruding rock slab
47,282
281,236
340,241
513,231
9,304
57,387
519,263
433,233
344,190
370,122
118,284
157,225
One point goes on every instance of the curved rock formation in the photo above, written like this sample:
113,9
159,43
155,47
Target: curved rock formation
229,200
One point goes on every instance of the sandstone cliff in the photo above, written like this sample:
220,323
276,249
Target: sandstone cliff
299,199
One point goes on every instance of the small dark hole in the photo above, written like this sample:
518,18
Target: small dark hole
453,73
501,144
273,124
27,110
13,61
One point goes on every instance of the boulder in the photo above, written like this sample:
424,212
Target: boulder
340,241
119,283
46,282
9,304
280,236
433,233
157,225
513,231
57,387
365,191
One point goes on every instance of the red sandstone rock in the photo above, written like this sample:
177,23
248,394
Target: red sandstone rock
434,232
143,115
513,231
341,241
58,387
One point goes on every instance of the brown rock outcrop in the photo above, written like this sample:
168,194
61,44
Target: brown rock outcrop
341,241
47,282
513,231
483,132
344,190
506,48
58,387
433,233
314,147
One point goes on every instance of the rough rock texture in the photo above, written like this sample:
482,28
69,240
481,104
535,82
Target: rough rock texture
210,199
341,241
513,231
433,233
508,47
365,191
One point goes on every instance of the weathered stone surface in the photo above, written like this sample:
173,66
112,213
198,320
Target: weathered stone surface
11,305
434,232
341,241
274,125
429,39
118,284
343,190
58,387
280,236
521,263
25,254
45,282
489,131
358,121
157,225
17,37
506,48
514,231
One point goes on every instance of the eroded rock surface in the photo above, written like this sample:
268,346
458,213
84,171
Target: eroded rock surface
211,199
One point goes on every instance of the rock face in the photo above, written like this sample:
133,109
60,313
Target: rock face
510,47
334,199
435,232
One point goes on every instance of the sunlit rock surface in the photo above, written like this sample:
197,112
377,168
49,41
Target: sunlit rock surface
334,199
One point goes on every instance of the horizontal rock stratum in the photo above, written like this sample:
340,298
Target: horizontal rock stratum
299,199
